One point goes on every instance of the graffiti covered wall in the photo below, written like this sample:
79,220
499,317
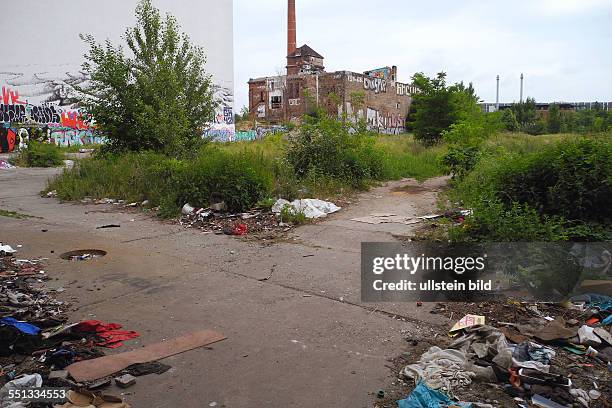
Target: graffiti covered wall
46,105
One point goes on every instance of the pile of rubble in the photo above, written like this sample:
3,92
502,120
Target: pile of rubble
258,221
513,354
37,344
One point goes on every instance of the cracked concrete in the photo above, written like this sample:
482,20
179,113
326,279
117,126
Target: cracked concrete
300,338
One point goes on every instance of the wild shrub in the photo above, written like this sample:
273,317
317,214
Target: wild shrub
571,179
240,179
326,146
560,192
465,139
39,154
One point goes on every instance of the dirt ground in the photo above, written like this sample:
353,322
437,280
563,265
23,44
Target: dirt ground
301,338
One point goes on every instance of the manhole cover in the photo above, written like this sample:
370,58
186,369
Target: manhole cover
83,254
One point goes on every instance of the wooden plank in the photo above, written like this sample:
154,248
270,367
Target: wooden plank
93,369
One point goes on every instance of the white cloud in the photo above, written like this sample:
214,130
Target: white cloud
567,7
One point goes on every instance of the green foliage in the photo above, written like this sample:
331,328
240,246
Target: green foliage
39,154
288,214
464,139
461,159
554,119
558,192
572,179
325,146
14,214
509,120
437,106
158,96
240,178
525,112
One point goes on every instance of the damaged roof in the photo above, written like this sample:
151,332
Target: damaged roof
305,50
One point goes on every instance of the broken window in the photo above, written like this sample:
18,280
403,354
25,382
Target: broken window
276,102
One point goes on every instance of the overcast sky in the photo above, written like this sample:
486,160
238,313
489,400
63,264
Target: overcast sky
564,47
43,35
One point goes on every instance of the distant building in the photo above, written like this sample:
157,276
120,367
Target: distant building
543,107
374,96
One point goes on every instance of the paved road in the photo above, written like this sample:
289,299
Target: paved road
300,339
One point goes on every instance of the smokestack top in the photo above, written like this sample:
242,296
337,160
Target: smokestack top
291,27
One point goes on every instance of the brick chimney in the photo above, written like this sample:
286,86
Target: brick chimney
291,27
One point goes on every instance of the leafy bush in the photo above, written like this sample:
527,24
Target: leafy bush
465,139
461,159
39,154
325,146
437,106
509,120
571,179
560,192
240,179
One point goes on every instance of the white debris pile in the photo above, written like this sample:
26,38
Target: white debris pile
310,207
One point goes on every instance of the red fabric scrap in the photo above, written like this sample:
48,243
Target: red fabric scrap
239,229
592,321
110,334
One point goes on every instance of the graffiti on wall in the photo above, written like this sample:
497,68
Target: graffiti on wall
377,85
49,102
383,73
405,89
46,104
389,123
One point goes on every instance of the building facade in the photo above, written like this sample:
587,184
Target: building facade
374,96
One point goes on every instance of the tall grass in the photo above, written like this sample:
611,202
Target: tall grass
243,173
405,157
547,188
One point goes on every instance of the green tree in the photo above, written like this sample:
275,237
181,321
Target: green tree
437,106
553,123
156,98
525,113
509,120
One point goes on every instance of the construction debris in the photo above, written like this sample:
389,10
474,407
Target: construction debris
89,370
525,353
37,344
311,208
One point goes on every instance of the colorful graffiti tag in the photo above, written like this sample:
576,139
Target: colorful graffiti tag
60,125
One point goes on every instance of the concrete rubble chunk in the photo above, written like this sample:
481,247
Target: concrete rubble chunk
125,380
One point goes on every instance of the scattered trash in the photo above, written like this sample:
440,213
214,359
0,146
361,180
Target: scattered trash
83,254
381,218
140,369
125,380
424,397
468,321
588,337
6,165
24,382
6,250
311,208
85,398
104,366
108,333
543,354
23,327
540,401
238,229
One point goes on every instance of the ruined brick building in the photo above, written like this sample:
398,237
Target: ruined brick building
374,96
